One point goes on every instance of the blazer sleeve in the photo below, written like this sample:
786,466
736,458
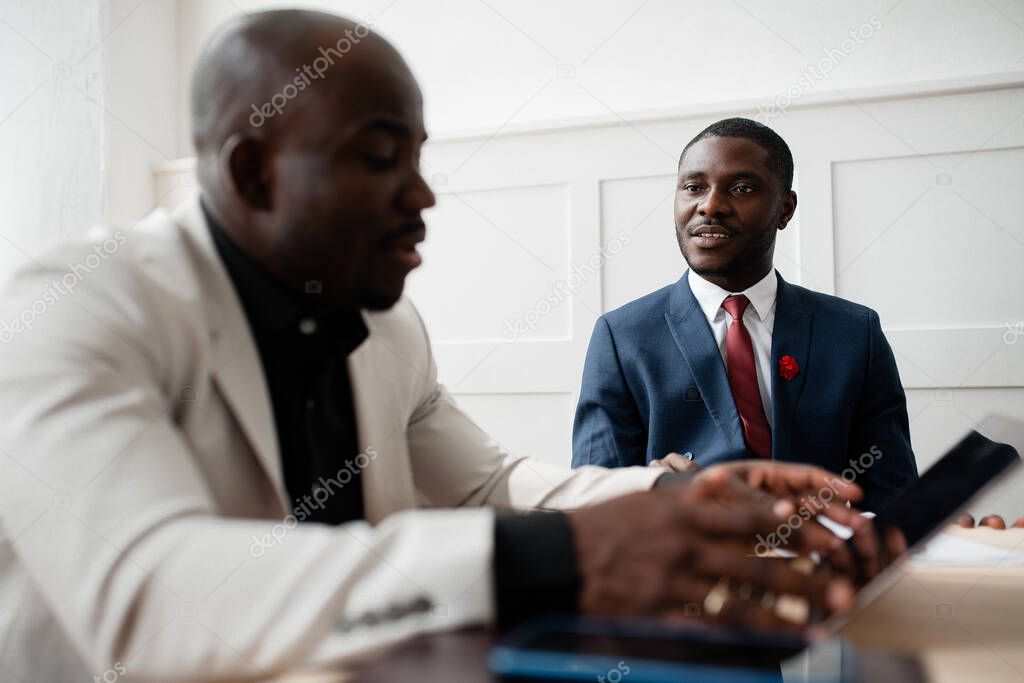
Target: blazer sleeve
881,428
455,463
607,430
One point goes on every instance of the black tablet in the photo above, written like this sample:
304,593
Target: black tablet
951,483
982,458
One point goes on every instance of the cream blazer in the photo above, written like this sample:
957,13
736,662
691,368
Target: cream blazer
146,531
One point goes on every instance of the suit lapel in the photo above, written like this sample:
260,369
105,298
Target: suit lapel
387,481
235,363
791,336
695,340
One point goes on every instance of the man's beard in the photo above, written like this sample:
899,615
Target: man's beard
739,264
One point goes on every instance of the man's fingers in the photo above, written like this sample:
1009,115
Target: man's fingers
721,485
1019,524
710,600
675,463
839,513
867,551
801,480
993,522
895,543
966,521
814,536
745,521
777,575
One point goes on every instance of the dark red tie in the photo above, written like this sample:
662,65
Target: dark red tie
739,359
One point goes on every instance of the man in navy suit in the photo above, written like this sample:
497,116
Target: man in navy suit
732,361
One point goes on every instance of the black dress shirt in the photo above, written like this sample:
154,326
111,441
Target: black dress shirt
304,356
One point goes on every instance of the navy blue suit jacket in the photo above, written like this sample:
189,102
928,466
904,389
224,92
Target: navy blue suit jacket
654,382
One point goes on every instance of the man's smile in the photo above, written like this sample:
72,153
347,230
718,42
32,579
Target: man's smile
710,235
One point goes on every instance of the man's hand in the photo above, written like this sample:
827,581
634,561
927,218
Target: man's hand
814,491
965,521
677,553
674,462
990,521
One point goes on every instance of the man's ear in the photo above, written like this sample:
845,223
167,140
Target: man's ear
248,169
788,209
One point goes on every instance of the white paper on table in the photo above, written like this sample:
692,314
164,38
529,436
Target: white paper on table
947,550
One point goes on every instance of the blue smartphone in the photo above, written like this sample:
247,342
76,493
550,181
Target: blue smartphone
612,650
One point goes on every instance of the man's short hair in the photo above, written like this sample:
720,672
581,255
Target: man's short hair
780,159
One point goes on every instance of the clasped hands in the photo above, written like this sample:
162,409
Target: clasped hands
698,550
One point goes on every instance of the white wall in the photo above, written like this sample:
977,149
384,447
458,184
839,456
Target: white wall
488,64
51,133
141,103
89,105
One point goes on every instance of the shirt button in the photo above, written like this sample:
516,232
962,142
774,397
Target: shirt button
307,326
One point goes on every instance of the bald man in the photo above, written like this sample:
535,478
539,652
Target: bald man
226,450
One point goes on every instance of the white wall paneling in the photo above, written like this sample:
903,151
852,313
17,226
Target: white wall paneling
508,62
51,130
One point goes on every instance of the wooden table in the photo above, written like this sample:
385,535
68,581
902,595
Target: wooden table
963,623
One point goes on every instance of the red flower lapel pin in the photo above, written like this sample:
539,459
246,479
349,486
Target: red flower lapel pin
788,367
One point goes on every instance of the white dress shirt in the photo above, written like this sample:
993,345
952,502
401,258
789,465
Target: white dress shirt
759,319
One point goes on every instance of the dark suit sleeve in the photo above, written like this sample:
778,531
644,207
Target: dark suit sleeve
534,566
608,430
881,428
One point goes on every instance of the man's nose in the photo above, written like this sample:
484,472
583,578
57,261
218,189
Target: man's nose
714,203
417,195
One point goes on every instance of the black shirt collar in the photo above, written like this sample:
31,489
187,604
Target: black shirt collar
273,310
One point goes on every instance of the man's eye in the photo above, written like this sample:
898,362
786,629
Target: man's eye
745,189
379,162
691,187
